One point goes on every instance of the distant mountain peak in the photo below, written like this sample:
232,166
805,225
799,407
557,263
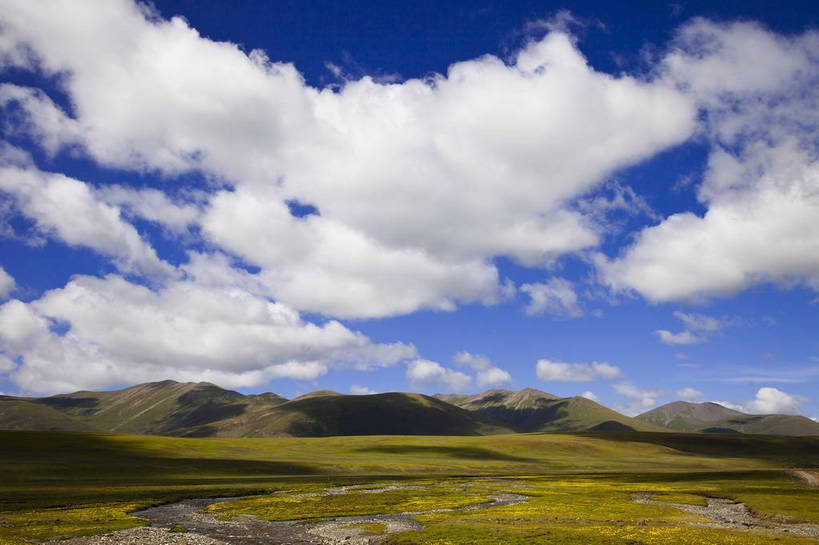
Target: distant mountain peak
529,409
710,417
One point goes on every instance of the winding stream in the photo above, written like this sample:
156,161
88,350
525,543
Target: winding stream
247,530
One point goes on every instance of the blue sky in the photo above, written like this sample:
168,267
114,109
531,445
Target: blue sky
576,197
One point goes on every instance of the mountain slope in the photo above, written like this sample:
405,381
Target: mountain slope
377,414
24,414
686,416
157,408
531,410
526,398
712,417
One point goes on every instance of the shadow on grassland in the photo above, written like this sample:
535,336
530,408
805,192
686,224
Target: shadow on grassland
789,451
32,456
471,453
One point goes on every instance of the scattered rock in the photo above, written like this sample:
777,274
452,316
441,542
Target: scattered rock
144,535
727,513
811,478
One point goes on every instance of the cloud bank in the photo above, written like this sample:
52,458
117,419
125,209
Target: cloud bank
415,188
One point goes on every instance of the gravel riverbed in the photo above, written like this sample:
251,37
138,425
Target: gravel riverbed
204,529
725,513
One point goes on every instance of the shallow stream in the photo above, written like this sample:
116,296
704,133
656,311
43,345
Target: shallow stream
247,530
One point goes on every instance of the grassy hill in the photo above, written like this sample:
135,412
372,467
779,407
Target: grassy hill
23,414
712,417
156,408
205,410
531,410
377,414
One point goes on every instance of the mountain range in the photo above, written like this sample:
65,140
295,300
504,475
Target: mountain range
206,410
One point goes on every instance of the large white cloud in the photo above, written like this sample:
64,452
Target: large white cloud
102,332
320,264
418,184
759,93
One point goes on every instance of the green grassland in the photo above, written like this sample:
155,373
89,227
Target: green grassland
64,483
592,510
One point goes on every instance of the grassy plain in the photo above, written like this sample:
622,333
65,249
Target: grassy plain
597,509
54,483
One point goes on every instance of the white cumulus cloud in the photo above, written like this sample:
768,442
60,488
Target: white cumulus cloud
6,364
758,92
698,328
493,377
640,399
773,401
152,205
475,361
683,337
67,210
7,283
768,400
96,333
548,370
357,390
424,374
418,184
699,322
689,394
486,373
590,395
555,297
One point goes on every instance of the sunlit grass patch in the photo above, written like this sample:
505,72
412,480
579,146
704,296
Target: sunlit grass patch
370,528
80,520
529,532
5,540
352,503
687,499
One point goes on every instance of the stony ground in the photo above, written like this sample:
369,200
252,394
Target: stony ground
732,515
811,478
145,535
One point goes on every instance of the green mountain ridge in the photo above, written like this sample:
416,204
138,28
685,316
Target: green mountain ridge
531,410
153,408
202,409
708,417
206,410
